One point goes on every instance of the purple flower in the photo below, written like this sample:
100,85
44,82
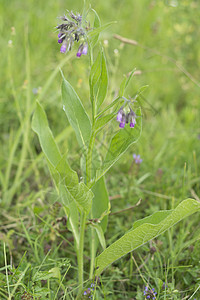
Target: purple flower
124,118
85,293
132,118
138,160
149,293
121,117
83,48
63,48
122,125
73,29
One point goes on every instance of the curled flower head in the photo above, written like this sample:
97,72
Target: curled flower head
73,29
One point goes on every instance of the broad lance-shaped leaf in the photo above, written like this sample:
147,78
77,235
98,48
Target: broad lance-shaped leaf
75,191
145,230
103,82
100,203
120,142
97,24
76,114
99,80
125,83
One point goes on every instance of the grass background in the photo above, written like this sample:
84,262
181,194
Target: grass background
168,61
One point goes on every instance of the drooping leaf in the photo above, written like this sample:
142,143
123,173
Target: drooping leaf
120,142
76,114
145,230
76,192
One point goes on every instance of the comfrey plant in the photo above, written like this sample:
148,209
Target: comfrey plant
85,199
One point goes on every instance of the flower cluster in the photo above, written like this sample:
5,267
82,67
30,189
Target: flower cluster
137,159
89,291
149,293
124,118
70,31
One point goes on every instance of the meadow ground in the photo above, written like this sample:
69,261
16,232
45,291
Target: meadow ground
32,221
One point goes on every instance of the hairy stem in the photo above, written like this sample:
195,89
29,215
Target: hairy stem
89,159
80,253
92,252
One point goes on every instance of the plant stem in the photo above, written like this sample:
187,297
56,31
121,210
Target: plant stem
89,159
80,253
92,252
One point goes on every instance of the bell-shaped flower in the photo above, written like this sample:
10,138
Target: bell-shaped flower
132,118
83,48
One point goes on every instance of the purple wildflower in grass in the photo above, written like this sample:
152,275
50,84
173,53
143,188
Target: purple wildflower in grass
149,293
92,286
137,159
85,293
164,286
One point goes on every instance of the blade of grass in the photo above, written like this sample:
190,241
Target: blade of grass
5,259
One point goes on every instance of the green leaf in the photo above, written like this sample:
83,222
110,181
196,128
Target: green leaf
129,78
66,178
76,114
100,202
41,127
95,74
103,82
98,30
100,205
97,24
144,231
125,83
120,142
100,234
122,86
113,103
102,121
140,91
99,80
